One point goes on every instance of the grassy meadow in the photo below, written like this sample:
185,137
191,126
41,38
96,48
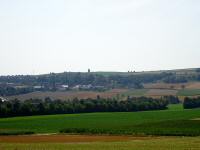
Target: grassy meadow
174,121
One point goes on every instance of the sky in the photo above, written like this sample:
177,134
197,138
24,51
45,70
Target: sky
42,36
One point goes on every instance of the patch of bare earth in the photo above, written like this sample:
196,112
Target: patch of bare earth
164,85
189,85
67,138
69,94
194,85
160,92
195,119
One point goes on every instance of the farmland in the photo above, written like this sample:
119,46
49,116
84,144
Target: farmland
138,125
149,90
174,128
189,92
70,94
117,93
99,75
152,143
174,121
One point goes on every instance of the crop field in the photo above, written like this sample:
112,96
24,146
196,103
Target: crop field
166,129
174,121
160,89
150,90
69,94
178,86
189,92
117,93
160,92
164,85
147,143
81,94
65,138
135,92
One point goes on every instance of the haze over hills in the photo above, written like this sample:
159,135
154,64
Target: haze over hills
183,70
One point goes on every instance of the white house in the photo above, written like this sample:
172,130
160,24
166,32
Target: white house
3,99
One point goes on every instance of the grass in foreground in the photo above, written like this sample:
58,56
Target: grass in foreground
165,143
175,107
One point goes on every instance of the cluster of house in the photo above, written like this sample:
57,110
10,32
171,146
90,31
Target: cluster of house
64,87
58,87
2,99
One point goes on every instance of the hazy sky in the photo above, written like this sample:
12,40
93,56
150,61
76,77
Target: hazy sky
42,36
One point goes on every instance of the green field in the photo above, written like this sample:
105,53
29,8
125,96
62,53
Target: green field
143,92
189,92
174,121
166,143
175,107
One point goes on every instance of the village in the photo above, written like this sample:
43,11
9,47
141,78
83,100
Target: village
19,88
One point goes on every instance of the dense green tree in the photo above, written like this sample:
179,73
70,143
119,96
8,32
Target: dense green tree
191,102
42,107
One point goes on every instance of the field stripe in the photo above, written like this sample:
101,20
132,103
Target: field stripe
68,138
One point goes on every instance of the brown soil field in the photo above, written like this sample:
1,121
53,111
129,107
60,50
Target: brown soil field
67,138
162,86
160,92
194,85
69,94
189,85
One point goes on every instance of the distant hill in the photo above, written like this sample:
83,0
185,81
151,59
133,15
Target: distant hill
95,81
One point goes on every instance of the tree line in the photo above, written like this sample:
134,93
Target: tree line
113,79
171,99
8,90
74,78
45,107
191,102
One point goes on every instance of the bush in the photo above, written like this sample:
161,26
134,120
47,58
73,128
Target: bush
16,132
191,103
172,99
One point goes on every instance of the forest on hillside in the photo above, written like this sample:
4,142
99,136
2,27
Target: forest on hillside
21,84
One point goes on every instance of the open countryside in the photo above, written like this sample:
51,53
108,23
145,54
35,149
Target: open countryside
158,107
99,75
174,121
150,90
128,114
